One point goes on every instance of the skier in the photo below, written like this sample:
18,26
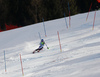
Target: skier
41,46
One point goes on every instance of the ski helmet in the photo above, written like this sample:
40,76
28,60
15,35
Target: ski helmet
42,40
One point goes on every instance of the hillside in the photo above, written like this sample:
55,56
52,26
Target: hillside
80,56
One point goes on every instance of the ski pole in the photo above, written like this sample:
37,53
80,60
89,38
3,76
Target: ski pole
46,46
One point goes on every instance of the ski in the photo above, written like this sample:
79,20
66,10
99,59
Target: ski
35,52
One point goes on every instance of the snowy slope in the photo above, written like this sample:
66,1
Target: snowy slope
80,56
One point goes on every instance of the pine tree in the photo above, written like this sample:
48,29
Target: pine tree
3,13
25,12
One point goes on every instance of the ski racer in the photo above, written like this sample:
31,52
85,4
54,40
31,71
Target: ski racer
41,46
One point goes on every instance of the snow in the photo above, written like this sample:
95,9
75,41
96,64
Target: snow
80,56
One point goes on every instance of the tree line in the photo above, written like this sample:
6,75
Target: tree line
26,12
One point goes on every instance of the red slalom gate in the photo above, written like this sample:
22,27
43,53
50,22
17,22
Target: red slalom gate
21,65
94,19
59,41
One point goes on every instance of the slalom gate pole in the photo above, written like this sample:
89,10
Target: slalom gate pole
69,20
44,27
21,65
59,42
94,20
5,61
69,15
39,35
65,21
89,11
